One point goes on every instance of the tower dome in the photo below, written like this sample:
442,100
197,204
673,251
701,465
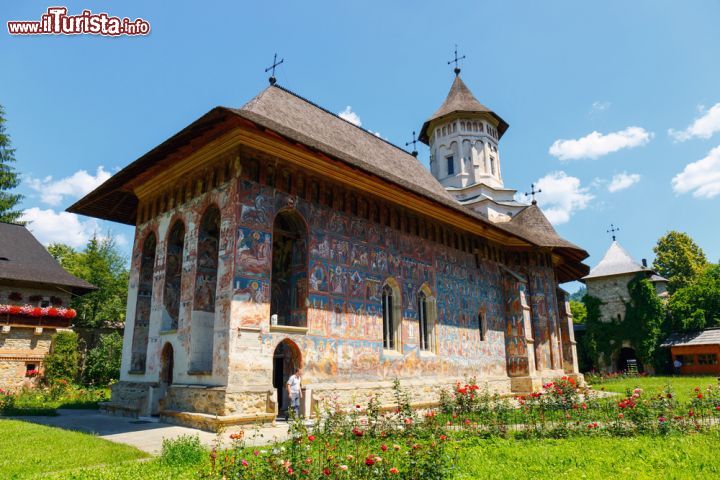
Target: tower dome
463,136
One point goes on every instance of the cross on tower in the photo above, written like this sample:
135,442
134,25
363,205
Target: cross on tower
272,78
455,61
414,144
612,231
532,193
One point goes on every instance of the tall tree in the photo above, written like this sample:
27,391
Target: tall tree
679,259
697,306
8,177
101,264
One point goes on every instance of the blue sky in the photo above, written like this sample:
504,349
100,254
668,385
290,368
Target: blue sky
643,75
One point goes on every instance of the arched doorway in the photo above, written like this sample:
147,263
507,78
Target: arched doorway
289,269
627,360
286,358
166,365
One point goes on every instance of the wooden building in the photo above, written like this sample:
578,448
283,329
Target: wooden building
697,351
34,295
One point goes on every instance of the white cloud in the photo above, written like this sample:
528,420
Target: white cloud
703,127
598,106
350,116
50,226
596,144
702,178
621,181
562,196
52,192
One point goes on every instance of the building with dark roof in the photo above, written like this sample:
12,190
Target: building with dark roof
34,295
279,235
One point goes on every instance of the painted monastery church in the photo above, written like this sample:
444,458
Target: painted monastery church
279,235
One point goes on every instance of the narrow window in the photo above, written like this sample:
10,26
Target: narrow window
482,327
450,165
492,165
388,310
424,323
288,289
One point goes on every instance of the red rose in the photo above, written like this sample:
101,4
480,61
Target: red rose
383,447
311,438
369,461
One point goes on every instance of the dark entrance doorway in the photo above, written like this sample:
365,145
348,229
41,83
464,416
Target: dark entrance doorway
166,365
286,359
628,361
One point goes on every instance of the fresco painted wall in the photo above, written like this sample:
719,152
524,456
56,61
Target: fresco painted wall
349,259
190,288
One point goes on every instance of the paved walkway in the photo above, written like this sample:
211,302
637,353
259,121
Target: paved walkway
147,434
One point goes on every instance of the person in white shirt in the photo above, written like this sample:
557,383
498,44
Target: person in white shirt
676,365
294,389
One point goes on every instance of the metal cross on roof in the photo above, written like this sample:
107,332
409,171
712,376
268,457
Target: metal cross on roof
272,78
612,231
414,144
455,61
532,193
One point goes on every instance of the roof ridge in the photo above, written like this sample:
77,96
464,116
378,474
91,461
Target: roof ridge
287,90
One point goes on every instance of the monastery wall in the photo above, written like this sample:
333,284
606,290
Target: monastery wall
491,324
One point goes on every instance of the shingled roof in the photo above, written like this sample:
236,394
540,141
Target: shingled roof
460,99
23,260
617,261
299,120
709,336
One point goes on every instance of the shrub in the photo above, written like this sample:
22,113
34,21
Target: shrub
183,450
63,361
102,366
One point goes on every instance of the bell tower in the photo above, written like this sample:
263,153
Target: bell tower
463,136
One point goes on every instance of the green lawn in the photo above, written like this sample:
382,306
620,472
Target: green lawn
677,457
33,451
682,387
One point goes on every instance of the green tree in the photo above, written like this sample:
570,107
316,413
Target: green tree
102,365
645,321
579,311
697,305
63,361
8,177
679,259
101,264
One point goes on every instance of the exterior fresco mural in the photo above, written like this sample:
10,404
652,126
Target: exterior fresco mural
207,261
142,308
348,260
173,274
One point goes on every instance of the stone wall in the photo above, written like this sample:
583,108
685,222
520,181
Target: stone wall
20,349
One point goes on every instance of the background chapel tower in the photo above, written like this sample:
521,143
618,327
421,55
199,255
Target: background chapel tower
463,136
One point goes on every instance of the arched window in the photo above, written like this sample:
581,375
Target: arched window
391,313
289,269
173,276
141,325
206,272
